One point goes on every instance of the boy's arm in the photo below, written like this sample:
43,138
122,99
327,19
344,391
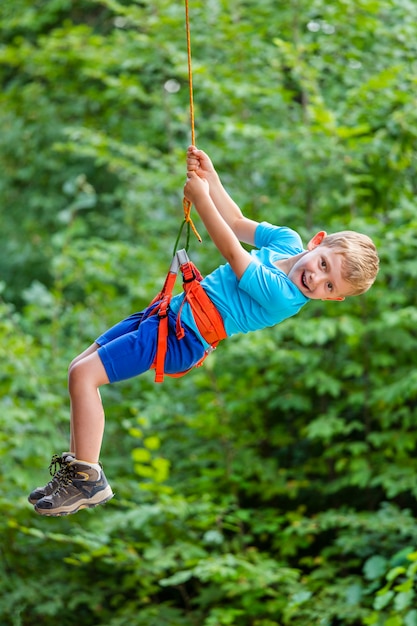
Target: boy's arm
244,228
196,190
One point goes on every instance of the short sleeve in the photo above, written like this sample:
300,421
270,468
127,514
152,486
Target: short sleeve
279,238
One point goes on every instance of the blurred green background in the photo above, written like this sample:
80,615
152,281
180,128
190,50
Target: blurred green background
275,486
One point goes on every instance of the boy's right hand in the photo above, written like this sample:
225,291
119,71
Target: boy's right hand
199,162
195,187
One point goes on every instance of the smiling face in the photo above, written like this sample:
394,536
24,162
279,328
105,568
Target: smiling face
318,272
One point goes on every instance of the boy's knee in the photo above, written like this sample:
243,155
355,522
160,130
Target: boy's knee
73,374
72,365
90,350
86,372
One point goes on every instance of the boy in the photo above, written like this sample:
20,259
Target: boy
252,291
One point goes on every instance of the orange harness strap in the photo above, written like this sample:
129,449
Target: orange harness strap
207,318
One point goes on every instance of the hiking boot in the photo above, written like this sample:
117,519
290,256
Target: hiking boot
62,461
80,485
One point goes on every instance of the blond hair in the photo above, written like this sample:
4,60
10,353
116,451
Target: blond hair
360,258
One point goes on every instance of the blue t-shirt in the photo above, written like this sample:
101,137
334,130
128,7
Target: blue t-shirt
264,296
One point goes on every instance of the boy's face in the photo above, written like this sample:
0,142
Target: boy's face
318,272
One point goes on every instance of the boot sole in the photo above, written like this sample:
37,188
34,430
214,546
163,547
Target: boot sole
77,506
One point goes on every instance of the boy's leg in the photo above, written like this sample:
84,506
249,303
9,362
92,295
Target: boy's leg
86,375
90,350
83,483
76,373
59,462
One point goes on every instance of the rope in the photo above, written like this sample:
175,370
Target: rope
186,203
190,73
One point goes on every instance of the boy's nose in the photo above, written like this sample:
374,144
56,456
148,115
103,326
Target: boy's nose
317,280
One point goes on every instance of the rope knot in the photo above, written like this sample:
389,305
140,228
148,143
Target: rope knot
187,217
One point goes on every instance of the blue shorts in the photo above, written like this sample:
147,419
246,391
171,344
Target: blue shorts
129,348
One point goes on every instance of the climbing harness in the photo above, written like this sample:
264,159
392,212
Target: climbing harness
206,316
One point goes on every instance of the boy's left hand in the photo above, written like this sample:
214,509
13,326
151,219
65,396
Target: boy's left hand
195,187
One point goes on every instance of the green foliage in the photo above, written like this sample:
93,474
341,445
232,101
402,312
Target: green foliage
393,602
275,486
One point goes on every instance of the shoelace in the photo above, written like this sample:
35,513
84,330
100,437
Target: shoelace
64,478
65,475
55,461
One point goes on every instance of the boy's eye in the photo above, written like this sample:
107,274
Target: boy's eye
323,264
330,286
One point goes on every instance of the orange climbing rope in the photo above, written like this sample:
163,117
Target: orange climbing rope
190,73
186,203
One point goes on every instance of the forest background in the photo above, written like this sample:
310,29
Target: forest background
276,485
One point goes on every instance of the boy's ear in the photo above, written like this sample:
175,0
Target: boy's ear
316,240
